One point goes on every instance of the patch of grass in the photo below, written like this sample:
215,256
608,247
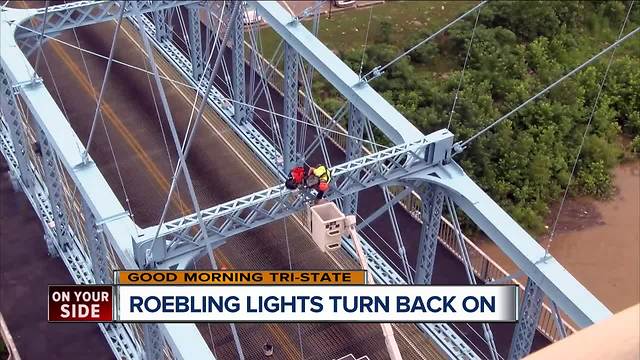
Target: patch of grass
346,30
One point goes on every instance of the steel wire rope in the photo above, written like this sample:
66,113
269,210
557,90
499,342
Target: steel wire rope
40,37
253,107
315,25
276,135
470,342
402,253
378,70
547,250
203,78
314,116
69,197
263,90
488,334
182,167
325,129
105,79
159,117
191,135
106,132
585,133
213,344
364,48
187,42
466,59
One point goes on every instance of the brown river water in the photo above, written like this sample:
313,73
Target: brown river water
599,241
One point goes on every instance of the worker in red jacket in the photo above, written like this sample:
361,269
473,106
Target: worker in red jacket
316,178
296,178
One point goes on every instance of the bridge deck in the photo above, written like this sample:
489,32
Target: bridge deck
222,168
220,175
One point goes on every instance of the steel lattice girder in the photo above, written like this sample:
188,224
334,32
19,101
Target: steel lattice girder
441,334
373,106
557,283
432,197
81,13
185,339
265,206
526,327
353,151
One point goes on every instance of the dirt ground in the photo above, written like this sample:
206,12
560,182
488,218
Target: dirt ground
599,241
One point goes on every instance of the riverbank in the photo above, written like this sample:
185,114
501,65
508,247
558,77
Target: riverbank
599,241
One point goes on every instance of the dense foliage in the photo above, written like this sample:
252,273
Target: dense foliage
519,48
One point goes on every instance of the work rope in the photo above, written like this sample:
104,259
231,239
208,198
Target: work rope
466,59
364,48
584,135
105,79
378,70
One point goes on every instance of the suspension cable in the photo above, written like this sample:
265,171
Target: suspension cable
40,37
459,147
466,59
584,135
314,114
469,270
364,48
201,107
378,70
85,156
324,129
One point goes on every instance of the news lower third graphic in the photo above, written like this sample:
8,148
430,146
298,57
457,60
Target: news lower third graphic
275,296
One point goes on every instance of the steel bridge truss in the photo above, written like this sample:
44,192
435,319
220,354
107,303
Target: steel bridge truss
109,238
246,213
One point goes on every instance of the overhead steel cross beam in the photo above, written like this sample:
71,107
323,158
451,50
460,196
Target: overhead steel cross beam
81,13
373,106
263,207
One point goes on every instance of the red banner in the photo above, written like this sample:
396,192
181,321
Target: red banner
91,303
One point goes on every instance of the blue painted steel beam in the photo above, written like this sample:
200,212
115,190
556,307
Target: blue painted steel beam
195,42
185,339
432,197
528,322
238,74
289,120
353,151
373,106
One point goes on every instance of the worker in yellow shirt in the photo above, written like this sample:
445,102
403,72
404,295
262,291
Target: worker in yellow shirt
318,178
